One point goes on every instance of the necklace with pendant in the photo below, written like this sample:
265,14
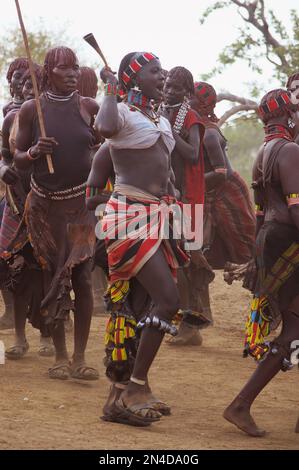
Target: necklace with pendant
154,117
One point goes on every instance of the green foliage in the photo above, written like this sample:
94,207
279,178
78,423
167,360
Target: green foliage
12,46
211,9
40,41
252,44
244,135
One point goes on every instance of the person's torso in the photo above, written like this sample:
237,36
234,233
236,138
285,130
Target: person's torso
72,156
147,169
141,150
276,208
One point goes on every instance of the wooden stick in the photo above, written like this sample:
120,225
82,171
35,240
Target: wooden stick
34,83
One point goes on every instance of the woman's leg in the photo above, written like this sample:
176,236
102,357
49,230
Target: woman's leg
7,320
21,346
157,279
238,412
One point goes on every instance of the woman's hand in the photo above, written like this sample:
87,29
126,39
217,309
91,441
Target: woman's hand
44,146
8,175
108,76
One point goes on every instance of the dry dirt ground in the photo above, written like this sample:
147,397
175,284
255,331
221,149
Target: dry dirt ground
39,413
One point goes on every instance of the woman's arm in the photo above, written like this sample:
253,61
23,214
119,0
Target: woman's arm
101,171
188,149
106,122
258,191
212,143
7,174
289,176
25,153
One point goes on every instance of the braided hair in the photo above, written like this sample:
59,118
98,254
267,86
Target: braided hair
17,64
38,70
184,77
206,101
51,60
88,82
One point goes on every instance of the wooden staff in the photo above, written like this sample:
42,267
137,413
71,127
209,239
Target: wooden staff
34,83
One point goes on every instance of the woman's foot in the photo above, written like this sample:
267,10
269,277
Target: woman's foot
46,347
188,335
60,370
114,394
138,399
80,370
238,413
18,350
134,410
157,404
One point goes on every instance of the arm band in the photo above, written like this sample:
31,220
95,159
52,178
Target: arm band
92,191
110,89
292,199
222,171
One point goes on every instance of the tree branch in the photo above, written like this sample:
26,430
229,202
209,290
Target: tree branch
263,27
235,99
235,110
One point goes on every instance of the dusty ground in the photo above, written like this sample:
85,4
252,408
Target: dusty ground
38,413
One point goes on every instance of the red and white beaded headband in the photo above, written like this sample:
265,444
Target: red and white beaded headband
282,100
136,65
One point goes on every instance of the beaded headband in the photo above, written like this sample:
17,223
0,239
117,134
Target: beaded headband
136,65
272,104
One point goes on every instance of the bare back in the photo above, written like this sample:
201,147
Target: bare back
282,179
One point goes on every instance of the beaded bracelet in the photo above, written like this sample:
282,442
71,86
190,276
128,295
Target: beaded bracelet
92,191
110,89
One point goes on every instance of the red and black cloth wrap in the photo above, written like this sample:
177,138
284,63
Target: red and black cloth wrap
194,175
229,223
127,255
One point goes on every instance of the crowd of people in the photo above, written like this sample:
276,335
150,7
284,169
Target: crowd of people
152,142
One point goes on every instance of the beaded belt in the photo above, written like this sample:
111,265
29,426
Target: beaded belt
70,193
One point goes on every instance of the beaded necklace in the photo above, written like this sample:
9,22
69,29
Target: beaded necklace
17,102
153,117
181,116
138,102
171,106
60,98
136,98
276,131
